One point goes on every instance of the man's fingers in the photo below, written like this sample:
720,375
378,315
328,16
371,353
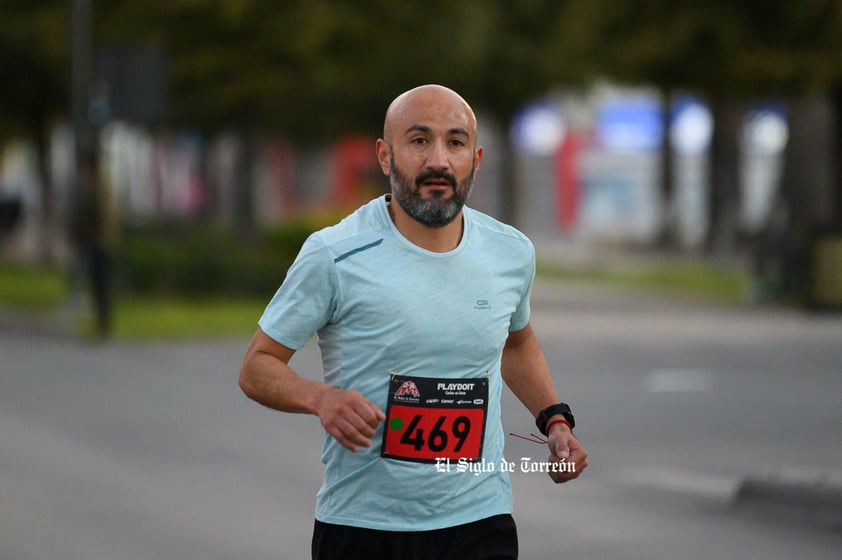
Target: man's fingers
561,451
340,437
578,455
568,471
370,413
379,416
358,423
350,417
575,461
559,445
357,433
349,436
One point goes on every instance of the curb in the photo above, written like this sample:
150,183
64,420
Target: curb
52,324
815,500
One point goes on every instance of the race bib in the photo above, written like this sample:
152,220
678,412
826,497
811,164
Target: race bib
429,418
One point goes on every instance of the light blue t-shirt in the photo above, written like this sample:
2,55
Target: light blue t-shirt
382,305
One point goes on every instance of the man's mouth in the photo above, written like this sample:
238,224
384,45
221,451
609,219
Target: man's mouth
436,182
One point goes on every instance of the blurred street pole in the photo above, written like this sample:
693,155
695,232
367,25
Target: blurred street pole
85,196
81,54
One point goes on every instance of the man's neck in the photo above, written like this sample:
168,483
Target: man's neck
438,240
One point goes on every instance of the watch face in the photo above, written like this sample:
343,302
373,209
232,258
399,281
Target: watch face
564,410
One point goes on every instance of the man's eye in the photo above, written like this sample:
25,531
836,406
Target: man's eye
419,141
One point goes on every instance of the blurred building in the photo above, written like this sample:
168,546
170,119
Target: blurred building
588,168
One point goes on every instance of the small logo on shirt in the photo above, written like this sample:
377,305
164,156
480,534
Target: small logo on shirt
482,304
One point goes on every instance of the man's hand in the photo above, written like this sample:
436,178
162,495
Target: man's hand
564,446
349,417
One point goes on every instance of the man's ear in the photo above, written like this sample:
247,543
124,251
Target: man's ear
384,156
477,157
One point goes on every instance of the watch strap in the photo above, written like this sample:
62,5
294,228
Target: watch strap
550,411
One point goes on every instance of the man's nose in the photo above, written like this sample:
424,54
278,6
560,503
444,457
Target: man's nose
437,156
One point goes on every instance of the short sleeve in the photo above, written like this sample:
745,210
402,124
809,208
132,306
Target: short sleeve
520,318
306,299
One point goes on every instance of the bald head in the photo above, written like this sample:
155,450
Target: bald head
429,152
426,101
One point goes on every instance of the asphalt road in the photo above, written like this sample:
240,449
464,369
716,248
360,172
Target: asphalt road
140,451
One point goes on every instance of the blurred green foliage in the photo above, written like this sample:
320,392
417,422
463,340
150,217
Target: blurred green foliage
34,45
718,47
157,318
31,288
317,68
695,279
194,259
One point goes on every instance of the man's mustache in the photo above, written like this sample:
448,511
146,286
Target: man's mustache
441,175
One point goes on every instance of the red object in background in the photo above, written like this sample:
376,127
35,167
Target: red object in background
282,165
567,179
352,163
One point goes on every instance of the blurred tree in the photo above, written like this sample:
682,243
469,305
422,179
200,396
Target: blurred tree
33,62
314,69
318,68
675,46
525,52
733,52
311,68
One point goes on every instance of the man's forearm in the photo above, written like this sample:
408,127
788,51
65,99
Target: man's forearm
273,383
266,377
526,372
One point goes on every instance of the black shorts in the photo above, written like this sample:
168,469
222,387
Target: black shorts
494,538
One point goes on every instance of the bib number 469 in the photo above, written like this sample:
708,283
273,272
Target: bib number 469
425,434
438,438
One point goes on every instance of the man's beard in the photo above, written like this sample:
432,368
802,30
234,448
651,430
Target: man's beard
436,211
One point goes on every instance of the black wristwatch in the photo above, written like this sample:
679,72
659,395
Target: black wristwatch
550,411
